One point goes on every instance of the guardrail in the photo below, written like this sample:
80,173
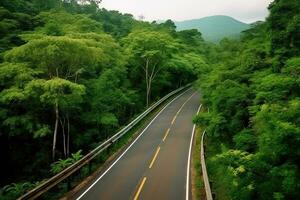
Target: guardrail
204,171
63,175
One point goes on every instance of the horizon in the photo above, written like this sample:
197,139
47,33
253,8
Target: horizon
208,17
247,12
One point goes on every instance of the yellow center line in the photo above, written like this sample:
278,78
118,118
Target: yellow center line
154,158
174,118
140,189
166,134
158,149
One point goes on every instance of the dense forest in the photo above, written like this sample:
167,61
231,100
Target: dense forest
72,74
253,96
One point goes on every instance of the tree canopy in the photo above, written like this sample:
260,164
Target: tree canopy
72,74
252,91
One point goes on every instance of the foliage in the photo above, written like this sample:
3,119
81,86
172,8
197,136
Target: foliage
15,190
252,92
61,164
71,74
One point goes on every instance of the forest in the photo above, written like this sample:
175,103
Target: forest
72,74
253,96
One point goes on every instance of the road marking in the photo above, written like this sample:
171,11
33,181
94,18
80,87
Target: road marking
140,189
174,118
186,102
154,158
166,134
189,160
92,185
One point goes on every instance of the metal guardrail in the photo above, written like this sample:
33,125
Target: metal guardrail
63,175
204,171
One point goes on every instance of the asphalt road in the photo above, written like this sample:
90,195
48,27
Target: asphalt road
154,166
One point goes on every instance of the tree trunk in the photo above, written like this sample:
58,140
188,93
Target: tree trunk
147,82
62,123
55,130
148,92
68,136
149,78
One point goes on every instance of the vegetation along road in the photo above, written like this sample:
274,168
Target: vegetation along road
154,166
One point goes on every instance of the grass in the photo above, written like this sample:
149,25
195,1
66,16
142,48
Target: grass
198,191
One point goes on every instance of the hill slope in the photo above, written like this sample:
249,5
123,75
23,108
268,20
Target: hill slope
214,28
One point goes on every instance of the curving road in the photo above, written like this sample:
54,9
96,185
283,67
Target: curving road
155,165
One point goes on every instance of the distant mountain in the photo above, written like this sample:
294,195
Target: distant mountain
214,28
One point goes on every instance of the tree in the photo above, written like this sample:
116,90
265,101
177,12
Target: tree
61,94
252,92
58,58
149,50
284,28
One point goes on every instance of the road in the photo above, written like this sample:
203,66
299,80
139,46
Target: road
155,164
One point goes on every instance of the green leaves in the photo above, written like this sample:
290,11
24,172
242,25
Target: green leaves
275,87
245,140
12,94
150,44
17,74
55,56
253,95
60,22
42,131
238,167
109,119
284,28
15,190
56,90
64,92
279,131
61,164
292,67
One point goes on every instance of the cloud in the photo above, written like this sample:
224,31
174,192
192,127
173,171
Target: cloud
244,10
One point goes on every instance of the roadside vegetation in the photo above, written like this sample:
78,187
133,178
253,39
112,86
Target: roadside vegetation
253,92
72,74
198,191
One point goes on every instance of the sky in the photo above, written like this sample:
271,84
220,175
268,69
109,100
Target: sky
178,10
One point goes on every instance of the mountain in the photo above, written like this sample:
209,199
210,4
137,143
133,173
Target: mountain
214,28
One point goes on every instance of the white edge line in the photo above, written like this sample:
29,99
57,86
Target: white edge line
129,146
189,160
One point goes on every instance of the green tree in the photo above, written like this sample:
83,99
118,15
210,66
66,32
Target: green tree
58,59
150,51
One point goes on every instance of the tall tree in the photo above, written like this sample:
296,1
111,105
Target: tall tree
57,58
149,50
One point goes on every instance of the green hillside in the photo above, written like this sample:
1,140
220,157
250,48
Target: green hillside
214,28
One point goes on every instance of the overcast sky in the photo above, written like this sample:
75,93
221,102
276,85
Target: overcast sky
178,10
